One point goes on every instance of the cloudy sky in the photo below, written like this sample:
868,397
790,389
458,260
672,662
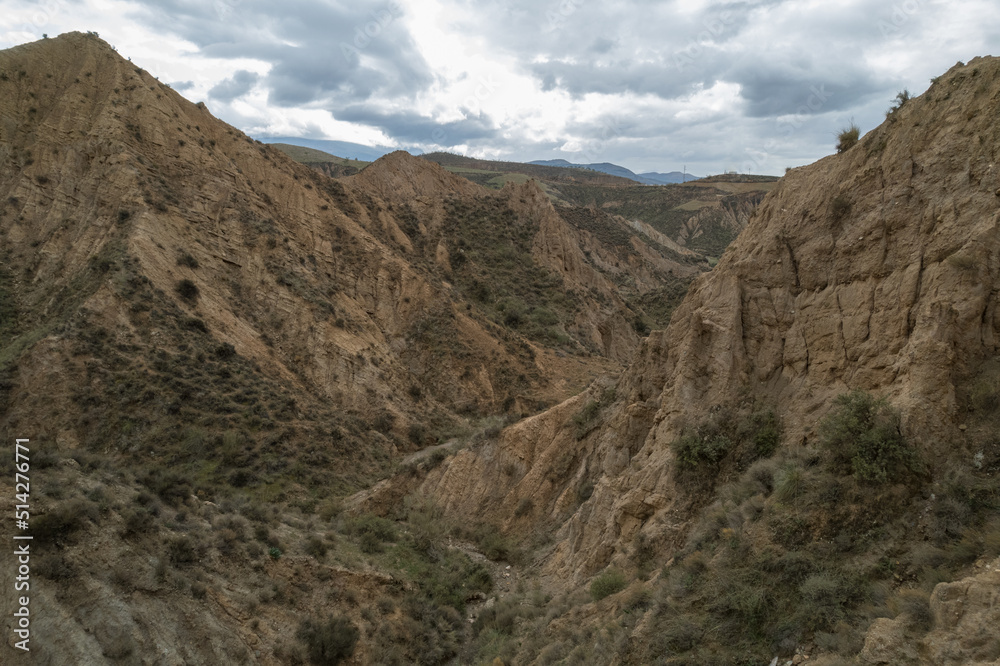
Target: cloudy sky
750,86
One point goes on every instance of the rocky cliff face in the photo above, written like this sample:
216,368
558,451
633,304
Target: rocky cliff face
875,269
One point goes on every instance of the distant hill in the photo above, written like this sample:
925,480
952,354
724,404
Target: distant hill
329,164
649,178
670,178
496,173
701,216
346,149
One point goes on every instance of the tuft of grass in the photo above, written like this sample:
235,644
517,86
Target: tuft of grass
901,99
848,137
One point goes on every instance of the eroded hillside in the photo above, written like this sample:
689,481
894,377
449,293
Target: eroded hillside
209,344
874,271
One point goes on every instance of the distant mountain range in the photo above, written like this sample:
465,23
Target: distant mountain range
346,149
648,178
357,151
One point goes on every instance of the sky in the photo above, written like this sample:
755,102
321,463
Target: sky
709,87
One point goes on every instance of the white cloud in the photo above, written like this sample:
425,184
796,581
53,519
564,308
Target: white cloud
714,84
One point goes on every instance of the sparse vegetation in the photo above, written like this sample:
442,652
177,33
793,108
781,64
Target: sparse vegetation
607,583
902,98
840,207
185,258
224,484
328,642
848,137
862,436
740,436
187,290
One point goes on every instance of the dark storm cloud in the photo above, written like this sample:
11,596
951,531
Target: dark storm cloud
237,85
777,51
610,78
413,128
780,88
319,52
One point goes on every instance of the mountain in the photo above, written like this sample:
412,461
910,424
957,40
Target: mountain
651,178
346,149
672,177
399,417
808,454
702,216
210,346
325,163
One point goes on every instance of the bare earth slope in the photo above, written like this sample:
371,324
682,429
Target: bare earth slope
191,320
877,269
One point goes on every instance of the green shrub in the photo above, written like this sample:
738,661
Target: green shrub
173,487
840,207
417,433
329,642
187,259
500,618
187,290
585,418
788,483
496,546
184,549
822,601
137,521
607,583
863,436
693,449
381,528
766,432
847,137
384,421
60,522
315,547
